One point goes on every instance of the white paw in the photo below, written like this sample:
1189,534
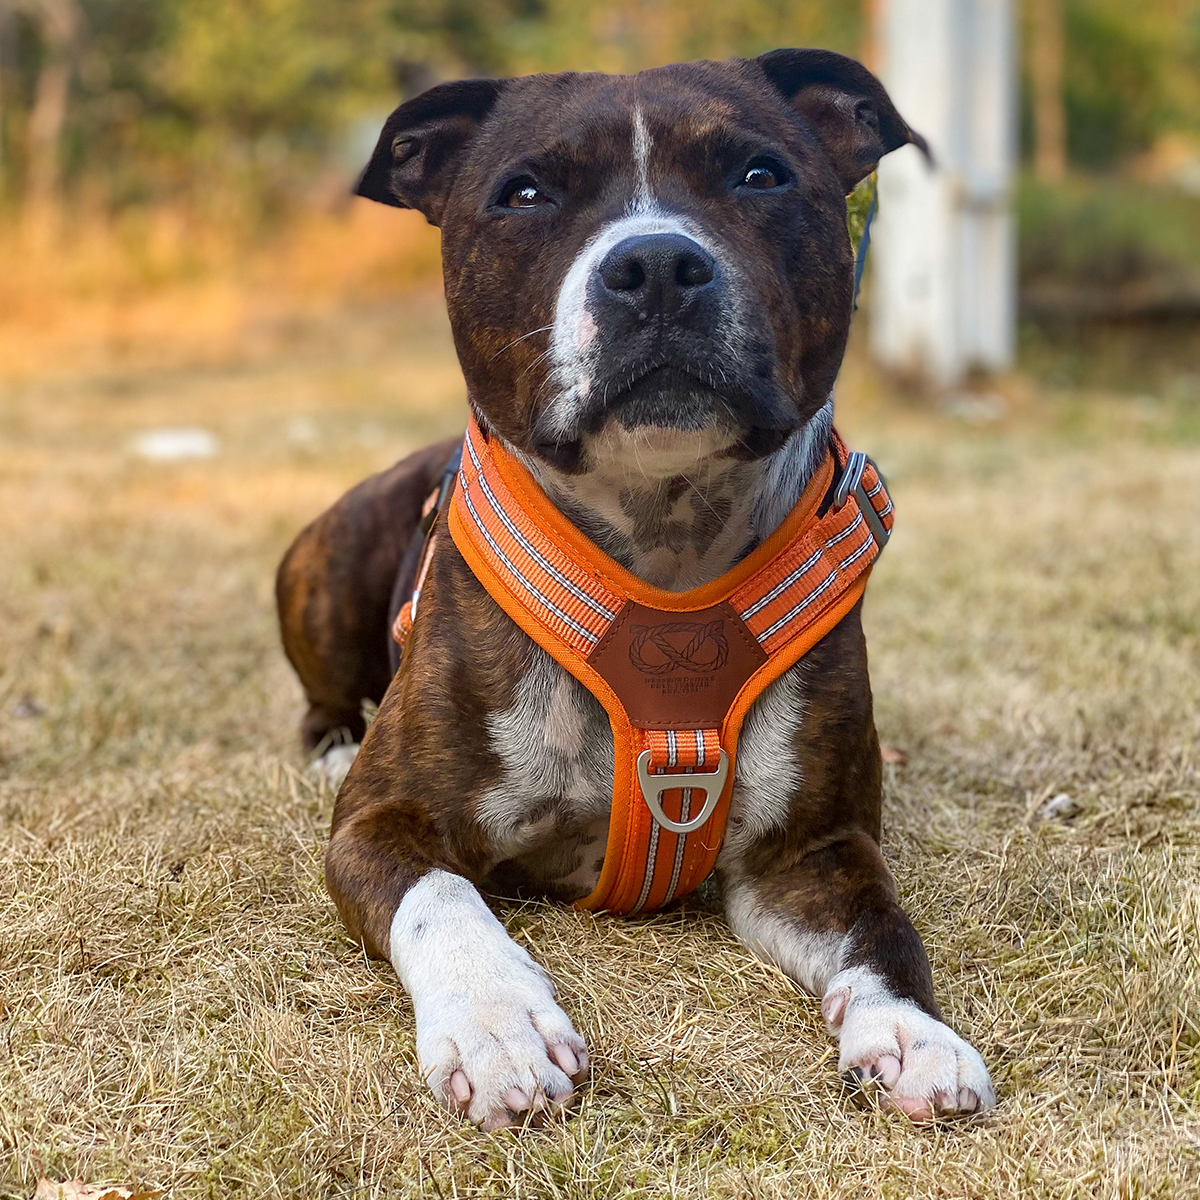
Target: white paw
334,765
922,1066
504,1059
493,1043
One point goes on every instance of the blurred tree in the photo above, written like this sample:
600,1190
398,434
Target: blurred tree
1111,76
59,22
139,101
219,94
1116,94
200,98
627,35
1046,52
56,25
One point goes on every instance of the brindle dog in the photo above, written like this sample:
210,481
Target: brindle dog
649,281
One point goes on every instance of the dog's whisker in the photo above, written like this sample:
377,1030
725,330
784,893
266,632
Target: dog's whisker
541,358
516,340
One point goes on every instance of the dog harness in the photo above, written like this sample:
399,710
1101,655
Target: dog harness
675,671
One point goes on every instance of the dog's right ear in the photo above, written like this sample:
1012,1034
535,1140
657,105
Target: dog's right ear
421,146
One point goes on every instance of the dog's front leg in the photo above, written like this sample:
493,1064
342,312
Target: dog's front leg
831,922
492,1042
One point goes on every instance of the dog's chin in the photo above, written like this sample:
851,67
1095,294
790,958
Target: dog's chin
647,452
674,414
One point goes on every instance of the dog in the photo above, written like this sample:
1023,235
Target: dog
649,281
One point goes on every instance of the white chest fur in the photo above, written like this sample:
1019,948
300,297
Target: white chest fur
550,808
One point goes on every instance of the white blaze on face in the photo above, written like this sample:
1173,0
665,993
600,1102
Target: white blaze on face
573,338
642,144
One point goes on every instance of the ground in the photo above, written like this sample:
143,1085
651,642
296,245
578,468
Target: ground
180,1007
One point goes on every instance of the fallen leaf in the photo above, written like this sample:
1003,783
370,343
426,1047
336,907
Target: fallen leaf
76,1189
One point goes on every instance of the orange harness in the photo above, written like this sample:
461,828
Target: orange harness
675,671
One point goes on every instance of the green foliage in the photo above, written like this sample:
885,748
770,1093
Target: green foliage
1131,72
1117,95
198,99
858,204
1099,233
627,35
258,67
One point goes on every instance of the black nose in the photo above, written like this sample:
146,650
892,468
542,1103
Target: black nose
656,272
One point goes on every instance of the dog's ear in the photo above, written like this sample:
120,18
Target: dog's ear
421,146
852,116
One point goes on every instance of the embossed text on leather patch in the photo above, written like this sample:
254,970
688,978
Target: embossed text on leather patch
677,670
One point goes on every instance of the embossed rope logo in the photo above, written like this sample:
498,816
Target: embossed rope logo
679,646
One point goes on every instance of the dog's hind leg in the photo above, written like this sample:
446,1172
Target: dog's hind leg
334,591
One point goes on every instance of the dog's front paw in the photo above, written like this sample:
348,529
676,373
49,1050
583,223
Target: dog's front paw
922,1066
492,1042
506,1059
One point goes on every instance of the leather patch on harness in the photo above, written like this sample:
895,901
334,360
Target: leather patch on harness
677,670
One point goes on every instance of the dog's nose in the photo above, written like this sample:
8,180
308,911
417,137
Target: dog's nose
656,273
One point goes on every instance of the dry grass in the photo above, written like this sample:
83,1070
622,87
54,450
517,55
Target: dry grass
180,1007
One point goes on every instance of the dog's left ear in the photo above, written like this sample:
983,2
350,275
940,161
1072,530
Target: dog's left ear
853,117
422,143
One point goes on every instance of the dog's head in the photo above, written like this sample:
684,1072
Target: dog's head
663,252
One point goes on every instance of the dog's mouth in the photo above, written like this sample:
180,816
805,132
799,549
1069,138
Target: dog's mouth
693,398
668,396
756,416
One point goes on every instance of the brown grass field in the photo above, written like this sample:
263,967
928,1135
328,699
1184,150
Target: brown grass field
180,1008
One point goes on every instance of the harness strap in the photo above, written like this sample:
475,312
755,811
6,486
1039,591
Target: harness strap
434,503
675,671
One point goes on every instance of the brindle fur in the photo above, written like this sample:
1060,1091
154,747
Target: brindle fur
334,589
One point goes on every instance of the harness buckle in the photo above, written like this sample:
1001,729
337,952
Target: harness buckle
851,484
653,786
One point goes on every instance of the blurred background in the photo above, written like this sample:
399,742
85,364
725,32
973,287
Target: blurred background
163,157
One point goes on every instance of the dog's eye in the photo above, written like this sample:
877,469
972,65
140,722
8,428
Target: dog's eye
523,193
762,176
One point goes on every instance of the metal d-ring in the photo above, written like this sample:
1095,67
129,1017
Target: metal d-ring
653,786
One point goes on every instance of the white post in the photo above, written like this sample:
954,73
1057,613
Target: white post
943,250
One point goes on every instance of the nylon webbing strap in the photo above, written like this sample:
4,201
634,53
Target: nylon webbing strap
676,672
